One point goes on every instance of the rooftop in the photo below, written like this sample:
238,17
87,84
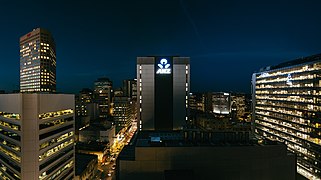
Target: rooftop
294,62
181,139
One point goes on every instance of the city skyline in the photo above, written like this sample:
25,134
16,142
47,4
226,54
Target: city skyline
227,41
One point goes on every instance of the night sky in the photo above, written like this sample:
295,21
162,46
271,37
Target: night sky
226,40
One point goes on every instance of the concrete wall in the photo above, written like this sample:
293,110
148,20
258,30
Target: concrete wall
179,94
29,106
147,93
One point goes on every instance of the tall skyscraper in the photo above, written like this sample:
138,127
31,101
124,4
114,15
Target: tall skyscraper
163,85
37,62
286,107
102,96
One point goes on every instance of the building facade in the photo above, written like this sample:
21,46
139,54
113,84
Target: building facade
287,107
163,85
238,101
37,62
123,112
36,136
84,98
221,103
102,96
130,88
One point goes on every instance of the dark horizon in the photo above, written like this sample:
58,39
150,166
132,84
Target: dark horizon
226,41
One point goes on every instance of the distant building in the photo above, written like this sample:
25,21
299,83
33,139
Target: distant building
196,102
84,98
86,166
98,133
163,85
238,101
168,155
37,136
221,103
286,107
209,122
37,62
130,88
102,96
122,112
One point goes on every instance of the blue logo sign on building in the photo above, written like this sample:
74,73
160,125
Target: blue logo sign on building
164,67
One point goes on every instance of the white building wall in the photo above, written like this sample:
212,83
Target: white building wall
29,106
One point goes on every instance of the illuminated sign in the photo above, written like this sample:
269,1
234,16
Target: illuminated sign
164,67
289,80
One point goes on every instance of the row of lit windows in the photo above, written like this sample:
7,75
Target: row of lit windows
10,115
33,90
10,125
10,134
30,73
286,77
56,140
30,86
290,132
45,44
3,176
55,149
289,98
29,83
302,170
61,170
30,68
10,145
316,66
283,111
10,154
308,107
55,122
286,117
268,86
283,124
289,92
302,150
55,114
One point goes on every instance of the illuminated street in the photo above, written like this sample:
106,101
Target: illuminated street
108,167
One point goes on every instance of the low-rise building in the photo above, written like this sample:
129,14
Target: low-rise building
168,155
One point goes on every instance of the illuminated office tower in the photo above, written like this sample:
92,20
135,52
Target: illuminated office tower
122,112
37,62
287,107
36,136
163,85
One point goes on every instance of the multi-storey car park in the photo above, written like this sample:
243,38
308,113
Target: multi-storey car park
287,107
